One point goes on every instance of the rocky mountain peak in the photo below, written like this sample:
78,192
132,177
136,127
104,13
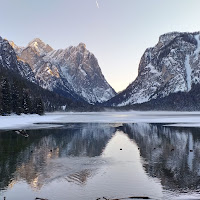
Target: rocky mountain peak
12,44
168,37
82,47
39,46
38,40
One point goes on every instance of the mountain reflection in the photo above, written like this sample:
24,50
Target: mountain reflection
30,158
74,151
171,154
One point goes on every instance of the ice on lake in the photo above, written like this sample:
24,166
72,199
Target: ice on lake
184,119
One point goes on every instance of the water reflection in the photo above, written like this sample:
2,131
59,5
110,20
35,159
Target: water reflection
172,154
30,158
86,159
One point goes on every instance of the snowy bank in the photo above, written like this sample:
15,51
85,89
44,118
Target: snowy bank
25,121
184,119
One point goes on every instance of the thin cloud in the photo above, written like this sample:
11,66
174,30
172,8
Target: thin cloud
97,4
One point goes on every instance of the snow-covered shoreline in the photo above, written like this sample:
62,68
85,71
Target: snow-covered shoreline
182,119
25,121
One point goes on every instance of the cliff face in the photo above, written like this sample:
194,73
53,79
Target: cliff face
172,66
73,69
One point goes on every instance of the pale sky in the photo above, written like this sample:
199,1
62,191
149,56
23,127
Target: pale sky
116,31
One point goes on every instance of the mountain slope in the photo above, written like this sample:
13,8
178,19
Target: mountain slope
172,66
17,71
11,61
73,69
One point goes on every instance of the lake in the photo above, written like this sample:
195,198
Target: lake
88,161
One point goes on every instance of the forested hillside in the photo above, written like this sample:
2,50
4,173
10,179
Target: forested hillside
18,95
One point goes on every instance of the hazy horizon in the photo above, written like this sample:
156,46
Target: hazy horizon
116,32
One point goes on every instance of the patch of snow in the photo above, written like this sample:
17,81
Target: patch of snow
188,72
153,69
35,44
64,108
106,95
181,86
82,71
84,94
196,52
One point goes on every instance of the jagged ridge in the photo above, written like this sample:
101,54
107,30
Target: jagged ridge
73,69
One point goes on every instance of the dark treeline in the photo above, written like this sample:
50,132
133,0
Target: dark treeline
16,98
18,95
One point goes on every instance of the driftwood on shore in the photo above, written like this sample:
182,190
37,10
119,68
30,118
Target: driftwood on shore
22,133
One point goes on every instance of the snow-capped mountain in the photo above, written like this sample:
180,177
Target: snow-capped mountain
172,66
10,61
73,69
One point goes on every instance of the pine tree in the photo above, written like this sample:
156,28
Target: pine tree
39,106
6,97
16,98
1,111
26,103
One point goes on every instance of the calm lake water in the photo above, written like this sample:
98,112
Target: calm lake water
91,161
